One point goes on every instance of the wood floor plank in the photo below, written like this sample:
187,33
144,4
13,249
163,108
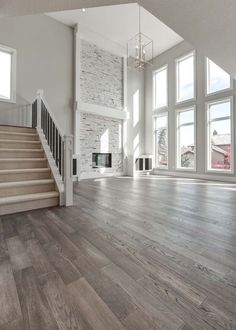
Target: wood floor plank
94,310
38,258
10,309
4,253
18,254
55,292
89,250
35,308
157,311
112,294
63,265
163,258
138,321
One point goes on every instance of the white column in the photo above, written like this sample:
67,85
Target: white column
76,119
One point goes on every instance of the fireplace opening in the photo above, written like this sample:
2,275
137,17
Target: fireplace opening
101,160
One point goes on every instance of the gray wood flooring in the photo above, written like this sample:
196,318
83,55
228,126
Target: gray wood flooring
146,253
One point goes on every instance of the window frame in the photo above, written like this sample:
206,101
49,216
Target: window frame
207,135
177,112
162,68
159,115
206,71
177,60
12,52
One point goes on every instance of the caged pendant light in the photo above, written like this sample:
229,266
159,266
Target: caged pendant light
139,49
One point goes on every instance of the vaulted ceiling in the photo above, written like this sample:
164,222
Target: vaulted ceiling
106,21
209,25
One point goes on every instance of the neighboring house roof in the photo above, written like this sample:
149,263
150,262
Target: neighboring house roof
219,150
221,139
186,150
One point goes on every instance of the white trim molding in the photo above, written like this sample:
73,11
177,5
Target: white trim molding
12,52
206,73
177,60
154,73
103,111
207,123
192,175
177,126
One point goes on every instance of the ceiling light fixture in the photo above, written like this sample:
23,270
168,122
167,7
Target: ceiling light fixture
139,49
83,10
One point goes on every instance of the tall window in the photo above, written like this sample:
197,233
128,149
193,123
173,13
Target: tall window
160,87
161,141
7,74
186,139
185,84
219,146
217,79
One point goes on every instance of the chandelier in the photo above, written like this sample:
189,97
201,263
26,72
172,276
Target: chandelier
139,49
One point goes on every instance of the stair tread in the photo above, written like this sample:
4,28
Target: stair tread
18,133
17,127
19,141
25,170
23,150
22,159
27,198
25,183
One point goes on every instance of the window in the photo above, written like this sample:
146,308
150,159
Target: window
161,141
7,74
217,79
185,85
160,87
186,139
219,146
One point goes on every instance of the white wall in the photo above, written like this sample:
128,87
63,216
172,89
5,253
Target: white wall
135,144
44,61
169,58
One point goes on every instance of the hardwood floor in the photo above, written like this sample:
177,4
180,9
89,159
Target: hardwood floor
146,253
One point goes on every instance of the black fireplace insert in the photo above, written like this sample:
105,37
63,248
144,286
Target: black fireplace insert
101,160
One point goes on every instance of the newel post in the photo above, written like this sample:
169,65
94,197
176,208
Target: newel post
68,182
39,104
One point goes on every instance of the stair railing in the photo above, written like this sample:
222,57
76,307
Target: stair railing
61,145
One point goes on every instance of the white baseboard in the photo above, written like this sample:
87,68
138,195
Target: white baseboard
85,176
211,177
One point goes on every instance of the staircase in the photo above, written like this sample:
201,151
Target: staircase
26,182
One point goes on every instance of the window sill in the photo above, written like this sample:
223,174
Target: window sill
11,101
224,172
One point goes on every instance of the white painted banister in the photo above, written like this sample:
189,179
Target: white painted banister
59,145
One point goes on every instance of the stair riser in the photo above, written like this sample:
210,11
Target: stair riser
13,165
25,190
18,129
8,136
21,154
30,205
15,177
20,145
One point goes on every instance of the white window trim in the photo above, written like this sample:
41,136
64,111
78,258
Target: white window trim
207,158
206,68
164,67
163,114
177,167
13,73
177,60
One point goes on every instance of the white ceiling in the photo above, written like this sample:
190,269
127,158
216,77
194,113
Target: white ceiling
118,24
209,25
